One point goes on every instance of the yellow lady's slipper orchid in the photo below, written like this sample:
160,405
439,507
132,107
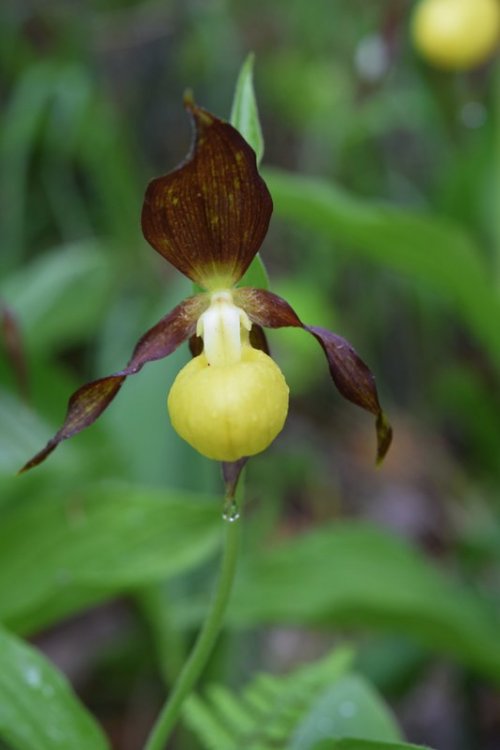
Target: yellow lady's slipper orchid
208,218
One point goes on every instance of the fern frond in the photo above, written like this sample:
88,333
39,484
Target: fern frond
268,710
205,723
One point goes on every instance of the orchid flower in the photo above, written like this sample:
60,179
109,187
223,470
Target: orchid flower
208,218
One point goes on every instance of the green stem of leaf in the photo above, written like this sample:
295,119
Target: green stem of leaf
205,642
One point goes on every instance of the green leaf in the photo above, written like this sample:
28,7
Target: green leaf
356,744
61,552
470,408
59,297
349,708
256,275
244,112
21,123
428,249
267,712
21,433
245,118
38,709
353,574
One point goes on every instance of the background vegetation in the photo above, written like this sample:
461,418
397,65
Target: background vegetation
384,582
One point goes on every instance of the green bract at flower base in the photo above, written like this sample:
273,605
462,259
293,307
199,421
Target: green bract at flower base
208,218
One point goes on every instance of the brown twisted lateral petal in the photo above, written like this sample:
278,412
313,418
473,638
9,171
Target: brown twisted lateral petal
350,374
88,402
210,215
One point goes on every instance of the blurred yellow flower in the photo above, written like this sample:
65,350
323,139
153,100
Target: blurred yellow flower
456,34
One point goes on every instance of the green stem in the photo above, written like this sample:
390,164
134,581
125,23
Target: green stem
205,641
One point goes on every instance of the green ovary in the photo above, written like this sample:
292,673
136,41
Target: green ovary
230,411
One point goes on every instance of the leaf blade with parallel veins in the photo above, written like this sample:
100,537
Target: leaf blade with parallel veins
38,709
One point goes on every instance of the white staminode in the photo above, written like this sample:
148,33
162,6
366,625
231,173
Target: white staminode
222,327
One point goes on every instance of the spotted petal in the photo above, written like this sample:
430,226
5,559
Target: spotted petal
210,215
89,401
350,374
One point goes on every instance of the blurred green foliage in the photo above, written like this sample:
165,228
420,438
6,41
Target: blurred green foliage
385,178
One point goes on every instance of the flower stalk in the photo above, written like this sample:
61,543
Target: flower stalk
208,634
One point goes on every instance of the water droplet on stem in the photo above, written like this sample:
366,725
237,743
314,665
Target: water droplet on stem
231,511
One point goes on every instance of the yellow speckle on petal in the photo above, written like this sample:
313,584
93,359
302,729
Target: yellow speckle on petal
229,412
